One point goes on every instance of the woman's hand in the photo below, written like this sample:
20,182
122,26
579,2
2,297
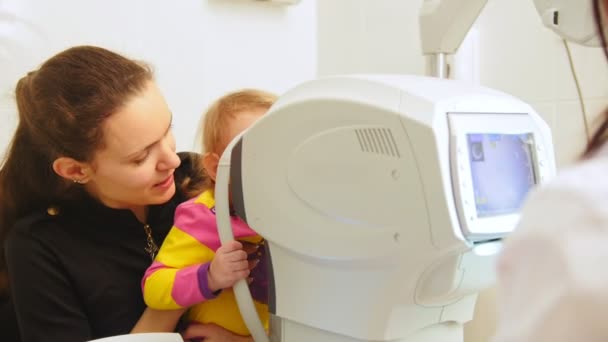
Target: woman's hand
212,333
157,321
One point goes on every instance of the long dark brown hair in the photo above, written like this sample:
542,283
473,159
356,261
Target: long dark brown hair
62,106
601,134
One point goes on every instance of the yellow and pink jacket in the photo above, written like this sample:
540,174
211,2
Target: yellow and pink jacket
178,276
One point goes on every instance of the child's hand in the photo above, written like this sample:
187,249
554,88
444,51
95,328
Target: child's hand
229,265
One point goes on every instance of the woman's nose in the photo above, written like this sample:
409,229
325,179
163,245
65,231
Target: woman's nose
169,162
169,159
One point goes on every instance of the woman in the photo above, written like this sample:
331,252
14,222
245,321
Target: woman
88,187
553,284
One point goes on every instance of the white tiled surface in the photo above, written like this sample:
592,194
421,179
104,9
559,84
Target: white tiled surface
590,66
595,110
517,53
569,135
548,112
521,57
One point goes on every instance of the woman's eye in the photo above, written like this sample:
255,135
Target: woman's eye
140,161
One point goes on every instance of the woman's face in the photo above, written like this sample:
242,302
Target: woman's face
135,167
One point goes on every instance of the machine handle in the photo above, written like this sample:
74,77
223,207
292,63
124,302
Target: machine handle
222,212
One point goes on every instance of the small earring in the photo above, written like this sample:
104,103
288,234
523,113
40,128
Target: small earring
78,181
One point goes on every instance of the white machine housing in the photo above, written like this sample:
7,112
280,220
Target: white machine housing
362,187
570,19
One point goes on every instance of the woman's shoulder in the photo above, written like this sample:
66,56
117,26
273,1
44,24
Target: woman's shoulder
551,264
578,195
42,227
59,222
36,231
587,181
37,220
590,173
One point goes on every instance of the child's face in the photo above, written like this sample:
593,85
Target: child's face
240,122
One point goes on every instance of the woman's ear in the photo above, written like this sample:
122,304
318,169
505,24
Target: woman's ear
210,163
71,169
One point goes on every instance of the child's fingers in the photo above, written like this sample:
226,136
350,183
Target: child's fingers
230,246
253,263
250,248
241,274
239,266
235,256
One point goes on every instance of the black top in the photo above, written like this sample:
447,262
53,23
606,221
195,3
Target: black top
76,275
9,331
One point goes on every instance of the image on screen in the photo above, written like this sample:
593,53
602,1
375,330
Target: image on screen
502,171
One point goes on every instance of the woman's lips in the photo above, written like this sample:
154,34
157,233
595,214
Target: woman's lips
166,183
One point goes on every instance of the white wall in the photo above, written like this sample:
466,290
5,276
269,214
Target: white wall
521,57
507,49
375,36
200,49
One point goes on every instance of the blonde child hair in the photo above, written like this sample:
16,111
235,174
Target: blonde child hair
216,119
226,107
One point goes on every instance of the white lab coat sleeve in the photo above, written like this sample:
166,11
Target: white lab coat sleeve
553,271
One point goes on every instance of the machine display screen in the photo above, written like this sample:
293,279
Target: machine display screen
502,171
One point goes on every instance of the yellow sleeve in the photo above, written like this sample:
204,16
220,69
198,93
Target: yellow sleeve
178,276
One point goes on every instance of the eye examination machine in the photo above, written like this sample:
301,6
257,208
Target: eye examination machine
383,200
